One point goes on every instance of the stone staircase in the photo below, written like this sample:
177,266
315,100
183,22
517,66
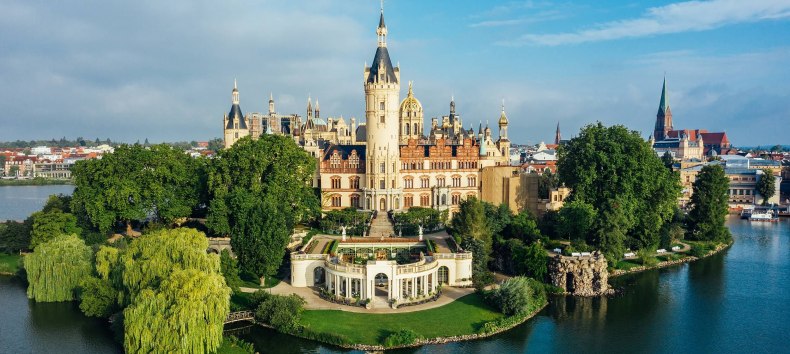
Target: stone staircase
381,226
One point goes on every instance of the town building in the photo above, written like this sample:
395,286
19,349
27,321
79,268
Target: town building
685,144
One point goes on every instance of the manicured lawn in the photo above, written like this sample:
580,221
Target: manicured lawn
10,263
251,281
463,316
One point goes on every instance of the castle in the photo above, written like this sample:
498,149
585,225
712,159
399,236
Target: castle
387,162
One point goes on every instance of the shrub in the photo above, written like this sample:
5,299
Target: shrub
647,257
400,338
281,312
232,344
513,296
701,249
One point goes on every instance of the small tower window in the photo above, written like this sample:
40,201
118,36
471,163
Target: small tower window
381,119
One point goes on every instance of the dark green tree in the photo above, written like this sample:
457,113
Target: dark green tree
98,298
616,171
15,236
523,226
48,225
134,182
709,205
576,221
259,190
230,270
766,186
471,221
535,261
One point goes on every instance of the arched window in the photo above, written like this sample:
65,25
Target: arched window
355,200
336,200
353,182
335,182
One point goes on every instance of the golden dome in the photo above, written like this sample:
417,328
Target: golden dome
410,103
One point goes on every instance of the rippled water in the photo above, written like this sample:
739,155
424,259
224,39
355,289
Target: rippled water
734,302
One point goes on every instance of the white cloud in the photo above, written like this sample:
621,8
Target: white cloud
686,16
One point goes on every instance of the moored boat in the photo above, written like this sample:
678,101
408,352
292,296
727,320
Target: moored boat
763,215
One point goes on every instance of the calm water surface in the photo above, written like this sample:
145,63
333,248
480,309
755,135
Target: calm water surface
734,302
18,202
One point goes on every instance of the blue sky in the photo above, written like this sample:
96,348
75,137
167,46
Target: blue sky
164,70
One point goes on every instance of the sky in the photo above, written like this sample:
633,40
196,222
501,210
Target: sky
164,70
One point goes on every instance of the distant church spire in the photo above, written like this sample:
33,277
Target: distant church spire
557,136
664,115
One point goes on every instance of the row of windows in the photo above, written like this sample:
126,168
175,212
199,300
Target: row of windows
408,182
337,201
425,200
353,182
335,160
740,192
438,165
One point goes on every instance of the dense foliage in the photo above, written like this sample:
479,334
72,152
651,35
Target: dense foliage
98,298
401,338
281,312
184,314
709,205
409,222
513,296
504,242
135,182
634,194
576,221
355,221
49,224
15,236
55,268
766,186
548,181
230,270
258,190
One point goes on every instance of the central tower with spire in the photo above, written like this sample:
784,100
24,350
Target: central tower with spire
382,100
664,116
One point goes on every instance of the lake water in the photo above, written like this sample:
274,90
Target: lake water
18,202
734,302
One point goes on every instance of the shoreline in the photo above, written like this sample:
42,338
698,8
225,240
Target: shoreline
421,342
665,264
34,182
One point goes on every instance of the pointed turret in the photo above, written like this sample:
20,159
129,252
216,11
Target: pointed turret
557,135
664,116
503,122
271,104
235,117
317,110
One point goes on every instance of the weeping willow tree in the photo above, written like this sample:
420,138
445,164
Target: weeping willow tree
56,268
152,258
185,315
176,295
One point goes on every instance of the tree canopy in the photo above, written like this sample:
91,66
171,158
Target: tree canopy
258,190
617,172
134,182
709,205
766,186
56,267
48,225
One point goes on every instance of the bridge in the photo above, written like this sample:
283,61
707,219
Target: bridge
239,316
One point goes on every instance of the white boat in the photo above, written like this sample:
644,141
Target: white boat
763,215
